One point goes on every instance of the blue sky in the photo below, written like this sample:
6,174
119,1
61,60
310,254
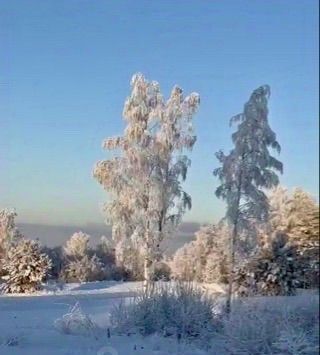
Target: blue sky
65,68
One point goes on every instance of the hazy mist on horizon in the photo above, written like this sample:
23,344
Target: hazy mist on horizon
56,235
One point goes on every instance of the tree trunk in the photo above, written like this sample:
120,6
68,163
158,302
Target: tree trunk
148,262
147,271
232,246
231,267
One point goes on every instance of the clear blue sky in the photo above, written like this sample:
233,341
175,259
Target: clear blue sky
65,68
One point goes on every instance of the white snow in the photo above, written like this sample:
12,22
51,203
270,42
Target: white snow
27,323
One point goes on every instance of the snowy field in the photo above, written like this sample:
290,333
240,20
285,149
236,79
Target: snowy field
27,323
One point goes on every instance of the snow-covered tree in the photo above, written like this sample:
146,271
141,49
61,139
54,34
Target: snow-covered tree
182,264
84,269
9,233
203,259
130,258
144,180
25,266
105,251
297,214
56,256
273,271
77,246
81,264
8,230
279,209
247,170
304,219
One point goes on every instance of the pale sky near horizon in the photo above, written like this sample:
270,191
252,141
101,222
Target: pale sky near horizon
65,68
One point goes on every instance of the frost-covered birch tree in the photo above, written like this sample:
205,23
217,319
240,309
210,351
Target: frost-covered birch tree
145,179
247,170
9,233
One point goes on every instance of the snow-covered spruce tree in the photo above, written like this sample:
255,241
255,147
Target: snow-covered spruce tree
80,263
144,180
246,171
25,266
8,233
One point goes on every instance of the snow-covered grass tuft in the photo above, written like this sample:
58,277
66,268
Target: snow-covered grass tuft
180,310
271,325
76,322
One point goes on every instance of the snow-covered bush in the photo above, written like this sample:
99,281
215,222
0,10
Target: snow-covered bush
75,322
161,271
84,269
179,310
270,325
293,341
25,267
272,271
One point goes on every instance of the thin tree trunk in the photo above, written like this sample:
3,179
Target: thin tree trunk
231,267
148,263
233,241
147,271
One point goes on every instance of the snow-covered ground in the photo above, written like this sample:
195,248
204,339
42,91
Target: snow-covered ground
27,323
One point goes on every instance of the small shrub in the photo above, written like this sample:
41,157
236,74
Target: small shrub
75,322
161,271
178,310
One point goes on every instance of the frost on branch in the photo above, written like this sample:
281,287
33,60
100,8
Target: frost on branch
144,180
25,267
